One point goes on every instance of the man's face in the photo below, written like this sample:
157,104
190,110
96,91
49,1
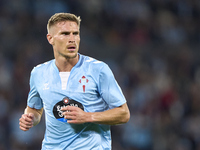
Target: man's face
65,39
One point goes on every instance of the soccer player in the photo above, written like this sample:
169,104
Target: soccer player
79,94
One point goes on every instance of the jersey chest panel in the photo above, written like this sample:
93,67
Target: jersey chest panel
81,87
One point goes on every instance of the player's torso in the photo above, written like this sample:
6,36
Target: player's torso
82,86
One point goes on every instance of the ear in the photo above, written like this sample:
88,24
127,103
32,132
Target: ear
50,39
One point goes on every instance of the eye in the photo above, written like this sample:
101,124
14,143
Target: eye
76,33
65,33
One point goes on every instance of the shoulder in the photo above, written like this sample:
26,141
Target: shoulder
96,67
93,63
41,68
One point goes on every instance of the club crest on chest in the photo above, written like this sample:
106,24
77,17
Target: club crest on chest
83,81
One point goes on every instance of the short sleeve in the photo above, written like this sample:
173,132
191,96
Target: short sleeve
109,89
34,100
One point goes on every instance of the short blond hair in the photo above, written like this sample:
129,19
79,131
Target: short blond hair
59,17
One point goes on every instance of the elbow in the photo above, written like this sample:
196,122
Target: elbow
126,117
126,114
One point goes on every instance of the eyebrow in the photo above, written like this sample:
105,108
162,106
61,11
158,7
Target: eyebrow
68,32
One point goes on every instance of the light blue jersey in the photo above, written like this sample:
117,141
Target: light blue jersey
92,85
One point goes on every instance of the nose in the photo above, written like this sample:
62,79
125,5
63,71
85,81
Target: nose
71,38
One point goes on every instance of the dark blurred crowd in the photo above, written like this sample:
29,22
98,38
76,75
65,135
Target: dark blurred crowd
152,46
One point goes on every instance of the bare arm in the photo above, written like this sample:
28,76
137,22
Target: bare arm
118,115
36,112
30,118
113,116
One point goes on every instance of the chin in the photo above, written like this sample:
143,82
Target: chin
72,55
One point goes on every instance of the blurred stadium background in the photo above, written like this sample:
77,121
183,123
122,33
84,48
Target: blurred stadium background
152,46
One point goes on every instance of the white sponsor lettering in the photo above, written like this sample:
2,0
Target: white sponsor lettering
60,107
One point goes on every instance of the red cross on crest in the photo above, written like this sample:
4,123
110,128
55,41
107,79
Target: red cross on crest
83,81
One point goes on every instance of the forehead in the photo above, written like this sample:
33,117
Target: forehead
67,25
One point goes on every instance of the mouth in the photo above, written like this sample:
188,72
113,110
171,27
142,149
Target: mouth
71,48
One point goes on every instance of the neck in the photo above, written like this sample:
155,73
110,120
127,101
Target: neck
66,64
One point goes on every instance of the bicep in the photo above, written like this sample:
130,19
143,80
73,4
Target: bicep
109,89
124,107
34,99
